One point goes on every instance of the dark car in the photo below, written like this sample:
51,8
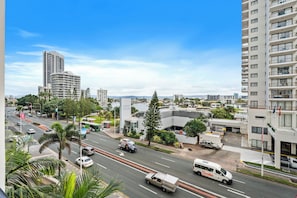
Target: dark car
88,150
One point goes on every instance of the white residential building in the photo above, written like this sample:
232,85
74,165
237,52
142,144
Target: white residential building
102,97
66,85
53,62
269,71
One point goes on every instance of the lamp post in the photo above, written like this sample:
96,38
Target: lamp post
114,120
262,150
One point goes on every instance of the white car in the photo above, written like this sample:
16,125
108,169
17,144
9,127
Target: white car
85,161
31,131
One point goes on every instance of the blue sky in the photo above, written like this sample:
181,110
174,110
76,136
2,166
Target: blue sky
129,47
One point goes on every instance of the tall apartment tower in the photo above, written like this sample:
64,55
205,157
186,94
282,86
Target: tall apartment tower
53,62
66,85
269,74
102,97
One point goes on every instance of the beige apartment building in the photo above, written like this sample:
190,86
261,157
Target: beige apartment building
269,74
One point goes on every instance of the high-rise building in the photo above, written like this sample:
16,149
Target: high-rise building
53,62
66,85
269,74
102,97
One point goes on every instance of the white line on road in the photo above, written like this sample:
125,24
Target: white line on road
237,193
74,152
194,194
101,166
232,189
147,189
167,159
239,181
162,164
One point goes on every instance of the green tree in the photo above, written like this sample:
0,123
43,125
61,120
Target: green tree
62,136
89,185
152,118
222,113
194,127
23,175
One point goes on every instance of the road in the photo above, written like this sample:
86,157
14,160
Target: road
133,179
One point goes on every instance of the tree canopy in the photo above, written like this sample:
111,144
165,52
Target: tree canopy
152,118
194,127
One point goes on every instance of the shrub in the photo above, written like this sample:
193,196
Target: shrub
157,139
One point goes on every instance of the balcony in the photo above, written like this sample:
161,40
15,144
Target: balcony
276,85
281,3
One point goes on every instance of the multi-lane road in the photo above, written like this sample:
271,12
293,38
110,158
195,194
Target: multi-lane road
133,178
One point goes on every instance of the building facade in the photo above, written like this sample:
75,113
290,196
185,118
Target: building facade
102,97
66,85
269,74
53,62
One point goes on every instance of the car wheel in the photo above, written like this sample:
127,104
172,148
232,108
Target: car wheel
198,173
147,181
224,181
163,189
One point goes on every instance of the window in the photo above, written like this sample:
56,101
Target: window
258,130
258,143
254,75
255,2
254,84
254,66
255,11
254,20
253,48
254,30
254,93
254,39
254,104
254,57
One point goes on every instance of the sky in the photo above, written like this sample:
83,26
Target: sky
128,47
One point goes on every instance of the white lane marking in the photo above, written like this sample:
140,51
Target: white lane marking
101,165
237,193
198,187
194,194
239,181
74,152
162,164
147,189
233,189
167,159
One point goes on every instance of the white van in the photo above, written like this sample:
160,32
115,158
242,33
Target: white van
212,170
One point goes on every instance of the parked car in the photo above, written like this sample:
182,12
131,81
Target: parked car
210,144
88,150
85,161
31,131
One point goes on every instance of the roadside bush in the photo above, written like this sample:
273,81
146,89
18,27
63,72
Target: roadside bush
157,139
167,137
176,144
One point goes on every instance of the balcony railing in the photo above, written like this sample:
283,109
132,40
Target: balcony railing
282,96
281,84
280,2
283,108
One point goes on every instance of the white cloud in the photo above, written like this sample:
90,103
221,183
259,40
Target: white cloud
27,34
177,72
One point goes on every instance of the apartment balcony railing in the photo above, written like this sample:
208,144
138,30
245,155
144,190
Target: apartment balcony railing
281,2
286,72
281,84
283,108
282,96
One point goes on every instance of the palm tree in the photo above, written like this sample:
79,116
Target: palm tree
24,175
89,184
61,136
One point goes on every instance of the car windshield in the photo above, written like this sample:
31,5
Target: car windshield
87,160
